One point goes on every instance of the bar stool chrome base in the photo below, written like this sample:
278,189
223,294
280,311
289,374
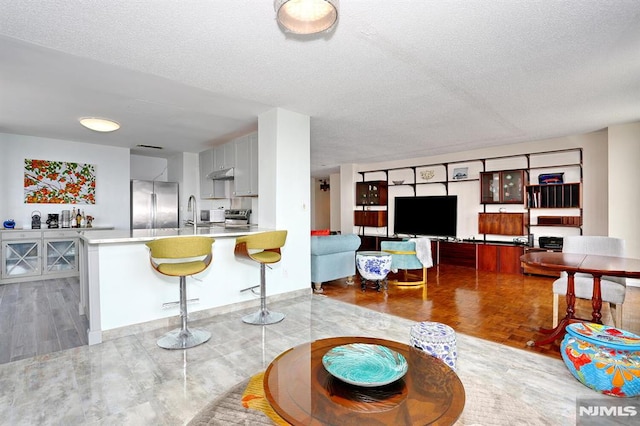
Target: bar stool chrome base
183,339
263,317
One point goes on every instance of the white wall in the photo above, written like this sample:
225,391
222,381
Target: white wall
624,196
347,197
321,206
184,169
148,168
112,178
334,202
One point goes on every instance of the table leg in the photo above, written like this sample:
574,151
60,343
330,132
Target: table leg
596,300
559,330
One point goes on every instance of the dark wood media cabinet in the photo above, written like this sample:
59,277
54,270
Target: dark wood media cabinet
480,255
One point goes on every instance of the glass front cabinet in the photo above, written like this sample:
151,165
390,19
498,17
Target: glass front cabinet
61,255
21,258
502,187
28,254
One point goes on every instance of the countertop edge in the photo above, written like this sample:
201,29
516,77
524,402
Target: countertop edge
144,235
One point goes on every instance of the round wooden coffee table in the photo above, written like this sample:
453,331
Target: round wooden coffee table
303,393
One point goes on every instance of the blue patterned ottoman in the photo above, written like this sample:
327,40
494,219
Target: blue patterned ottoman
436,339
603,358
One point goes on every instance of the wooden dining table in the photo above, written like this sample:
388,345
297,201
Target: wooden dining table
573,263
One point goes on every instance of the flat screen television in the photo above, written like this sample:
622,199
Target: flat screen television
432,216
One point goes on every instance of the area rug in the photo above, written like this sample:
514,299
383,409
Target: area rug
245,404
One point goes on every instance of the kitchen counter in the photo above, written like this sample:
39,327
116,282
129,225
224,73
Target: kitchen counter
45,229
144,235
121,293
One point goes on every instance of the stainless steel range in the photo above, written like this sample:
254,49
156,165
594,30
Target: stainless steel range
237,218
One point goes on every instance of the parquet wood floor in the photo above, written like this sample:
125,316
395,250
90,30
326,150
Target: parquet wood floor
503,308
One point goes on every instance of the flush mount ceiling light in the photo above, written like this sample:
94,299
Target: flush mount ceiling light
306,16
99,124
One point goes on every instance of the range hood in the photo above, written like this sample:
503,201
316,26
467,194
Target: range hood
224,174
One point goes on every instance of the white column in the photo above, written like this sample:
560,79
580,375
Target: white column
347,197
624,196
284,171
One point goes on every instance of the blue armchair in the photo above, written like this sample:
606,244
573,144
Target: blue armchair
408,255
333,257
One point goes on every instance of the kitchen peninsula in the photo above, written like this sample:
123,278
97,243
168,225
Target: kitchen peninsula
119,288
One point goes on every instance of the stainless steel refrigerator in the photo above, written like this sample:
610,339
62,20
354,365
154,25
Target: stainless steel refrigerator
154,204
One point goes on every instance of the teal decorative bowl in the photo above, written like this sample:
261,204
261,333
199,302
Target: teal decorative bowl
603,358
363,364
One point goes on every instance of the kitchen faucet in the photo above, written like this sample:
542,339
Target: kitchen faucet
194,214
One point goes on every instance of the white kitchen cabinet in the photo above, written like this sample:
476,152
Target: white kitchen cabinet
209,188
224,156
33,253
60,256
205,159
246,171
21,255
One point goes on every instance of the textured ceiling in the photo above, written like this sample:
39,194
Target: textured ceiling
395,79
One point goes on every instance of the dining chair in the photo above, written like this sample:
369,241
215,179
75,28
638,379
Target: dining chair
613,289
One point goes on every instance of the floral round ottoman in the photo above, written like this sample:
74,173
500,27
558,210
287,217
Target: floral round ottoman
373,266
603,358
436,339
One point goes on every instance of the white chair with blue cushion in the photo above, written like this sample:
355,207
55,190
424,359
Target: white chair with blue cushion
613,289
409,255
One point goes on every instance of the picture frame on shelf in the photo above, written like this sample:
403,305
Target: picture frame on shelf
460,173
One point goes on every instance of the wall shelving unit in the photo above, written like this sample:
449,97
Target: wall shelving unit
556,205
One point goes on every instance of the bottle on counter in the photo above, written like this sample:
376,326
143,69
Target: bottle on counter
83,220
78,219
73,218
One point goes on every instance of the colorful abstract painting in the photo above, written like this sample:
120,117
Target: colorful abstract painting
58,182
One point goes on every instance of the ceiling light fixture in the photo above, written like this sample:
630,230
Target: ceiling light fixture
99,124
306,16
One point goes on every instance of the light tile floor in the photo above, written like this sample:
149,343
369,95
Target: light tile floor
130,380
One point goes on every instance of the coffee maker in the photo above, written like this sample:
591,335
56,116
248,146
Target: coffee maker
35,219
52,220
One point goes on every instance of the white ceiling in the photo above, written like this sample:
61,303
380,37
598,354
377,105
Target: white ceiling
396,79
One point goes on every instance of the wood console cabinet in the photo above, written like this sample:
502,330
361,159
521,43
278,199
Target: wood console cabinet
372,218
503,223
372,242
500,258
455,253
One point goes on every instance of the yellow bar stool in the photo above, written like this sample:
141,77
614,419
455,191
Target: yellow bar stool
180,257
263,248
